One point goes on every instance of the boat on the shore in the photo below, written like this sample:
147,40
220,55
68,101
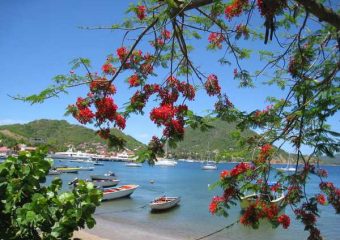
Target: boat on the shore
106,176
105,183
118,192
133,164
209,165
164,203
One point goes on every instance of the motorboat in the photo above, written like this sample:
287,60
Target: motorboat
71,155
133,164
67,169
274,197
96,163
105,183
118,192
287,168
106,176
209,165
166,163
85,168
53,172
164,203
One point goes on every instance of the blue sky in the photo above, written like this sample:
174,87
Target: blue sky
39,38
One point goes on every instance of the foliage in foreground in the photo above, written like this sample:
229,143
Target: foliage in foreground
29,209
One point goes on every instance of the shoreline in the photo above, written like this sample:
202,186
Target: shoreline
107,229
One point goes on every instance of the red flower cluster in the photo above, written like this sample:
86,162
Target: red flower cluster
106,109
235,8
134,80
166,34
275,187
140,11
333,194
321,199
284,220
108,69
102,85
216,39
240,168
122,53
216,201
162,114
265,152
259,210
322,173
211,85
120,121
224,174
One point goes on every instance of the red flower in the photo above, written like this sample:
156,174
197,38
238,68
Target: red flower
187,90
102,84
224,174
120,121
235,8
166,34
108,68
284,220
321,199
84,115
162,114
172,81
134,80
240,168
211,85
104,133
214,204
106,109
122,52
215,39
140,11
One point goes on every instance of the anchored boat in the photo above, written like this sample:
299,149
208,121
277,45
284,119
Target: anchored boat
119,192
164,203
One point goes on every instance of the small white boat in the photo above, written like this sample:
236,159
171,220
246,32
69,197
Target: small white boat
119,192
105,183
251,198
133,164
67,169
98,163
166,163
209,165
85,168
54,172
106,176
287,168
164,203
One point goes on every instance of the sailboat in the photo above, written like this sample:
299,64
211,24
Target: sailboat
209,164
165,162
287,168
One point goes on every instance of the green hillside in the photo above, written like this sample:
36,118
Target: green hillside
57,133
220,142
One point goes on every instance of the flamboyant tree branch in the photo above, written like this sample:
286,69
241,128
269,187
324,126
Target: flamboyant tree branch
317,9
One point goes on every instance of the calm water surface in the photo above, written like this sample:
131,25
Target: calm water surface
191,219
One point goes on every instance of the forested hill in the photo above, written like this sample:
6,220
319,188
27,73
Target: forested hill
56,133
221,140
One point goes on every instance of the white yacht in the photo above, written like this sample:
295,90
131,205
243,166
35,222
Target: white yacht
166,162
209,165
70,154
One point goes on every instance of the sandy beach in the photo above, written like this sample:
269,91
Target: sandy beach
108,230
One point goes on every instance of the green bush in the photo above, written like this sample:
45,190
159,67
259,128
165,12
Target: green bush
31,210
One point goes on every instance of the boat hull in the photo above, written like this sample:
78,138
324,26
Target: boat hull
119,192
164,203
105,183
102,177
246,201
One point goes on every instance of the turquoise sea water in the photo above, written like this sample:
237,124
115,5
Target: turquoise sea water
191,219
